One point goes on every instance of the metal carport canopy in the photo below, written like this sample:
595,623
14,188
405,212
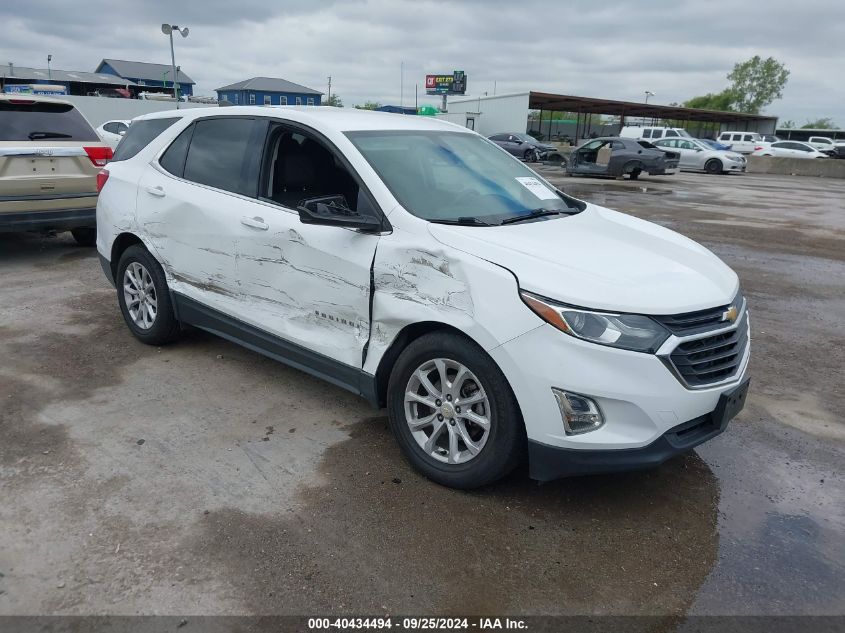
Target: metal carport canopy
588,105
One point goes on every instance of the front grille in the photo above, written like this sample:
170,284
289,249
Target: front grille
711,359
694,322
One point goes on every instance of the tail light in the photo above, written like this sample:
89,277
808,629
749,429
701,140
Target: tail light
102,177
758,147
99,155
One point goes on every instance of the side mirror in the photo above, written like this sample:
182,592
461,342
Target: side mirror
121,132
333,211
518,141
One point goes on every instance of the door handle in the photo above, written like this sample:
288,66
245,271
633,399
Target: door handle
156,191
256,223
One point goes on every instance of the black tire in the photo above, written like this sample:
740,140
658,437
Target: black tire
85,236
633,169
505,446
165,327
713,166
531,156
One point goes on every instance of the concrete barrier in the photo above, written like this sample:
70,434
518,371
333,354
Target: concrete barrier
818,167
98,110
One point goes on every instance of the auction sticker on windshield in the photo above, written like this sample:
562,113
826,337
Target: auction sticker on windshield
537,188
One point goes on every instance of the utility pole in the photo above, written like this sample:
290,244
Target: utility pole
49,74
402,84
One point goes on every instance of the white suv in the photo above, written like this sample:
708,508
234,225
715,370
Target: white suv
742,142
419,265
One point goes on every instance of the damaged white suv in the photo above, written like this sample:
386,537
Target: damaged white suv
419,265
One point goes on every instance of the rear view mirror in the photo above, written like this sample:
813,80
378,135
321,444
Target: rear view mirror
333,211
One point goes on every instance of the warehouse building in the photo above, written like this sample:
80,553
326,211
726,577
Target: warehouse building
268,91
52,81
147,77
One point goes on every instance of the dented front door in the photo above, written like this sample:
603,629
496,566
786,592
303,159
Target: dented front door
308,284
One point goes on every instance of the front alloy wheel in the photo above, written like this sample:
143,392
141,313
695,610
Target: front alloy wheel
447,411
139,293
453,412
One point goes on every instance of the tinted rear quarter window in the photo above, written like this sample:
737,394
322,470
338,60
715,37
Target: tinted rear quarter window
173,159
218,155
43,121
139,135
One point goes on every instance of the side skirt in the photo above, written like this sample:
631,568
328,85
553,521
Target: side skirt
340,374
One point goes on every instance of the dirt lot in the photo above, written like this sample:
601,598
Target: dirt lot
204,478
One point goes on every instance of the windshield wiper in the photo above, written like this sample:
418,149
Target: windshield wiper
39,135
464,221
536,213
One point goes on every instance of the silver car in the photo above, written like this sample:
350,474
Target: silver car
696,156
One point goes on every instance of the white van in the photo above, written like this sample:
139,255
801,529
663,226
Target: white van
653,132
742,142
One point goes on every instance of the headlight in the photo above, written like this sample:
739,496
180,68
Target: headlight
627,331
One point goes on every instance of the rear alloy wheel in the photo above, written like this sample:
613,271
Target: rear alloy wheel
85,236
144,297
713,166
453,412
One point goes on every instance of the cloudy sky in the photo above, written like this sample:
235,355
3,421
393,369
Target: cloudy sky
676,49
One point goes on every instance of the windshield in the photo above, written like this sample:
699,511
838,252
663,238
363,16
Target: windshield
456,177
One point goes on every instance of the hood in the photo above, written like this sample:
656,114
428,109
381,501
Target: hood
602,259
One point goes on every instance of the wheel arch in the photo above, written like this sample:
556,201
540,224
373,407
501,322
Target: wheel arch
405,337
120,244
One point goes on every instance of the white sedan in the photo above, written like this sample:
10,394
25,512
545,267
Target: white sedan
790,149
695,155
112,131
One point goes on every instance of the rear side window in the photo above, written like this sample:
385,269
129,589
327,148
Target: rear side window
173,159
139,135
647,133
43,121
219,156
657,134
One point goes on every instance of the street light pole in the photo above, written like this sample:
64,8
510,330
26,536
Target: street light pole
648,93
168,29
49,74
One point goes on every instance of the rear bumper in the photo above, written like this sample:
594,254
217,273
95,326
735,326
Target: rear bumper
55,219
552,462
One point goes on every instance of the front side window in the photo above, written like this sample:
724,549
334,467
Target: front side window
455,176
219,155
671,133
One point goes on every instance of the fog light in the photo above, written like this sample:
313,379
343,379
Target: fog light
579,413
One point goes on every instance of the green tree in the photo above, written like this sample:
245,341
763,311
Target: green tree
369,105
334,100
819,124
757,82
723,101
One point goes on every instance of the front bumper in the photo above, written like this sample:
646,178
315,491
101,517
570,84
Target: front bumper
552,462
640,398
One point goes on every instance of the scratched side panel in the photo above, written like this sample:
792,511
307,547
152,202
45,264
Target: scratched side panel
418,279
307,284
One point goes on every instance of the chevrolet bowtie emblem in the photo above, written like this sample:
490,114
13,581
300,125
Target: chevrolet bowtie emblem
730,314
